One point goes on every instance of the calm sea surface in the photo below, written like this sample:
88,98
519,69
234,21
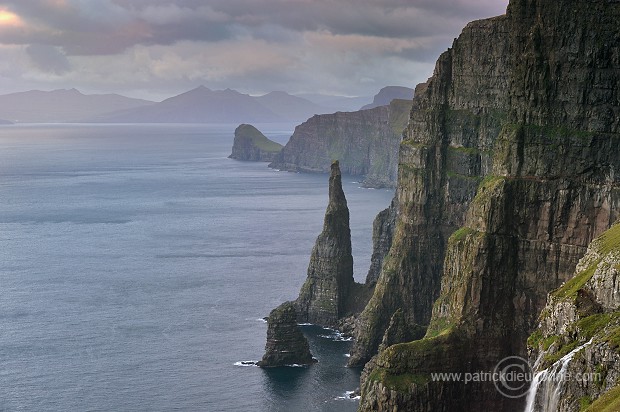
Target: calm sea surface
137,260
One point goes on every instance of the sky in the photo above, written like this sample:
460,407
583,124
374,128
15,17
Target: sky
158,48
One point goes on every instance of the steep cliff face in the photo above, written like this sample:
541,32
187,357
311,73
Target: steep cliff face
446,151
382,235
576,348
286,344
250,144
515,142
365,142
323,297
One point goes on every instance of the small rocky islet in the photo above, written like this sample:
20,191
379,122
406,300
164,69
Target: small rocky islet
286,344
251,145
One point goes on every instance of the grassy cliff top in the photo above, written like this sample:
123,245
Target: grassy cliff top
608,402
251,133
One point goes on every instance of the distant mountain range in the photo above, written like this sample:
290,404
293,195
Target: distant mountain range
200,105
61,106
203,105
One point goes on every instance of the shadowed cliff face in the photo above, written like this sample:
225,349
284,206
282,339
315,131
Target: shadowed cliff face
508,170
382,235
323,297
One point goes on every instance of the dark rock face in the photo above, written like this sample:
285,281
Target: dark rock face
323,297
250,144
515,142
286,344
382,235
365,142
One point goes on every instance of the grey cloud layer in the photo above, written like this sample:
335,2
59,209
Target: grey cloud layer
107,26
300,35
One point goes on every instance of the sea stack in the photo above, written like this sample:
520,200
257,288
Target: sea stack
250,144
286,344
323,297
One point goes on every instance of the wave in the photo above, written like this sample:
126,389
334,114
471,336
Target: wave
348,396
245,363
337,336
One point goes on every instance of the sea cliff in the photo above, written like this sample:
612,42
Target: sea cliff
365,143
507,172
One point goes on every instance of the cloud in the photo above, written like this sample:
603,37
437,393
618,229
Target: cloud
79,25
48,58
346,46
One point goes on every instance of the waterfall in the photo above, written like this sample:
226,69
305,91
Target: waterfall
546,388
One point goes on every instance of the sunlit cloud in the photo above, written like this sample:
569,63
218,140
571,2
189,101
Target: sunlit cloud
8,18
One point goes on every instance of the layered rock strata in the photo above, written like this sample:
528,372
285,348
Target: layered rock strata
365,142
251,145
324,295
507,172
286,344
382,235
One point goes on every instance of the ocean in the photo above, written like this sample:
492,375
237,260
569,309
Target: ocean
137,263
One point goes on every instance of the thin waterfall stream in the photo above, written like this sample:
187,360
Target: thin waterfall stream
546,388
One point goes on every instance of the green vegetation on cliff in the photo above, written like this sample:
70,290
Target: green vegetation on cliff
608,402
571,287
400,367
252,134
251,144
